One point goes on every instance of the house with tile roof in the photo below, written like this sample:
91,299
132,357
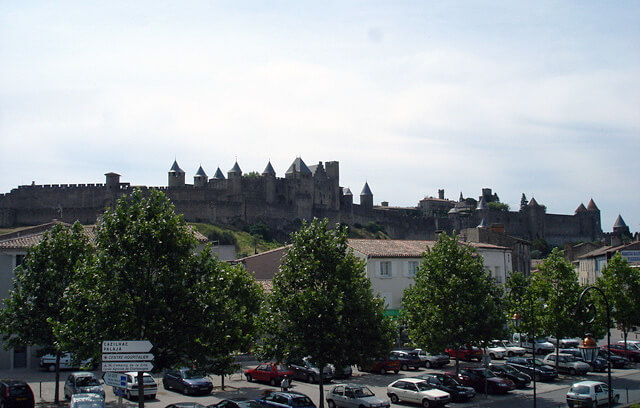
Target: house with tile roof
590,265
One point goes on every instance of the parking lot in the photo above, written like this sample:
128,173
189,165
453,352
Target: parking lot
236,386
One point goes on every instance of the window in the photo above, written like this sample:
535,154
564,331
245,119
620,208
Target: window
498,274
19,260
385,269
412,269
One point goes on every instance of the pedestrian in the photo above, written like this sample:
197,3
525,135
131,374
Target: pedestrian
284,384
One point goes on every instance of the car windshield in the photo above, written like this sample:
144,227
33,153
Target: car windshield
87,381
571,358
507,368
147,379
248,404
362,392
450,381
423,386
580,389
18,390
538,361
541,340
301,402
191,374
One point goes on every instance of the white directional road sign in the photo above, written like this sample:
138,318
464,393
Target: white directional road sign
115,379
126,346
128,357
124,367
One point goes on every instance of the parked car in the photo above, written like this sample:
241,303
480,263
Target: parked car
617,361
482,379
67,362
188,405
590,394
565,342
632,344
631,354
417,391
448,384
187,381
407,360
599,365
430,360
150,388
341,372
290,399
354,396
539,345
496,352
520,379
380,365
466,353
567,363
512,349
542,372
82,382
87,400
236,403
15,394
304,369
271,373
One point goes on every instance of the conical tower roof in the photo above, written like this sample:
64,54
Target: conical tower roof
619,222
298,166
592,206
218,175
461,197
346,191
235,168
481,204
366,191
533,203
483,224
201,172
175,168
269,169
581,208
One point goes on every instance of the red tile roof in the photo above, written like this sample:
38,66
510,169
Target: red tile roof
400,248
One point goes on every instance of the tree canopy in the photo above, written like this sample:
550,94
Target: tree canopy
35,307
322,304
453,301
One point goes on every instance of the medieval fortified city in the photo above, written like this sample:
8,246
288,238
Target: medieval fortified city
334,204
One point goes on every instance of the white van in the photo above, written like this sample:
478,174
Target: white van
541,345
48,362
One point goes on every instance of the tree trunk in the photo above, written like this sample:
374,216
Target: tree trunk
222,382
56,393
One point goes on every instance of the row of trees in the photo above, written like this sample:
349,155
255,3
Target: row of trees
141,278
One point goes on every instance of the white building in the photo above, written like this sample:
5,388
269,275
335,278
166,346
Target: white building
392,264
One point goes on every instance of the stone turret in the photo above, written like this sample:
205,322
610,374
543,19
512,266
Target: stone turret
620,227
219,175
200,179
269,175
482,205
176,175
366,196
235,179
112,182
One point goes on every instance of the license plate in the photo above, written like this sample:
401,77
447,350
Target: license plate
21,399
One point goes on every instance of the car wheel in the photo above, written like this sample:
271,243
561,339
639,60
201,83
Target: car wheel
572,371
425,403
404,367
396,371
493,356
51,368
570,404
616,399
273,382
427,364
383,370
510,353
311,379
331,404
394,398
249,378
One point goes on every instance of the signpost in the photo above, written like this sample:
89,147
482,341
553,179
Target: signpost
124,356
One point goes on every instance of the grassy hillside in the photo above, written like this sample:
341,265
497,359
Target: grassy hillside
245,242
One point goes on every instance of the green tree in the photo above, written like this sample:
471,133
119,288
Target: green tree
556,290
146,284
517,303
322,304
621,284
453,301
36,305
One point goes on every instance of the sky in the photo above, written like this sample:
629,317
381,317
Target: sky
540,98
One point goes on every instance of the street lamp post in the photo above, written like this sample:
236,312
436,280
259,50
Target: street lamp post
516,317
589,346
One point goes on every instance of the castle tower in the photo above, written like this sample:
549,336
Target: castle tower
536,219
112,182
620,227
235,178
200,179
581,209
366,196
269,175
482,205
218,175
594,213
176,175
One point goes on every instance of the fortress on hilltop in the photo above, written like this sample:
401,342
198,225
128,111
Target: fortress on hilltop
303,193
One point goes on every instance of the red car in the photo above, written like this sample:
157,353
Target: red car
481,379
271,373
381,365
630,353
466,353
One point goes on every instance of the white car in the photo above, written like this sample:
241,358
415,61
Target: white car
150,386
538,346
418,391
512,349
590,394
67,361
565,342
496,352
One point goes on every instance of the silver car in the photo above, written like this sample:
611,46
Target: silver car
354,396
82,382
567,363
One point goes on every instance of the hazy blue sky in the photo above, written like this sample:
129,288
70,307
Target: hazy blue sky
537,97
